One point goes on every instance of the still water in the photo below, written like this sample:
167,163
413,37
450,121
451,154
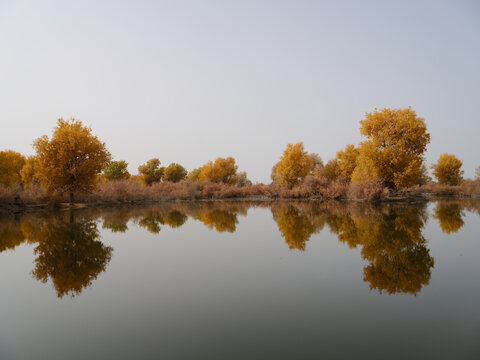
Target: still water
242,280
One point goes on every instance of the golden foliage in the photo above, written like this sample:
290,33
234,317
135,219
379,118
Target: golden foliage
294,165
174,173
393,153
70,161
448,170
194,175
29,172
222,170
151,172
347,162
116,170
329,172
11,163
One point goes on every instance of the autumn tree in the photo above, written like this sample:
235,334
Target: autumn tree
448,170
116,170
223,170
477,173
174,173
194,175
11,163
28,173
329,172
393,151
346,163
151,171
294,165
72,159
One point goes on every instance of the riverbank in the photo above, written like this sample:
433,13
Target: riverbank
130,193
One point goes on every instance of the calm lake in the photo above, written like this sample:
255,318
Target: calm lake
242,280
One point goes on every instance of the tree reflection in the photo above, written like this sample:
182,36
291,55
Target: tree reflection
393,244
390,238
11,234
70,255
294,225
450,216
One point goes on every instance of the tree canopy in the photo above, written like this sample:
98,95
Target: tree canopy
71,160
11,163
393,151
294,165
174,173
151,171
223,170
448,170
116,170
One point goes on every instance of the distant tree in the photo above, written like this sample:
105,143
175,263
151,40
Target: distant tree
242,179
29,172
11,163
174,173
151,172
294,165
477,172
448,170
329,172
347,162
194,175
393,152
72,159
116,170
223,170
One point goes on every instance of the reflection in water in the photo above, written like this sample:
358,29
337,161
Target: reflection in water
294,225
390,236
449,215
69,252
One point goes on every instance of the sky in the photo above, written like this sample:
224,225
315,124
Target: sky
190,81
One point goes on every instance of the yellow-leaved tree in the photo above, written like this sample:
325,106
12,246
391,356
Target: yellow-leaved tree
222,170
11,163
151,171
393,152
448,169
29,172
346,162
294,165
174,173
71,160
194,175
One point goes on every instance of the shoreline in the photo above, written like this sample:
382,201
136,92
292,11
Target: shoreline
408,199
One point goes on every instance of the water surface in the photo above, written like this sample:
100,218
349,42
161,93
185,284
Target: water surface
242,280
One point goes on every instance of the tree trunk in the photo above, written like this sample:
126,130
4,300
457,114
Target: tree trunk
72,200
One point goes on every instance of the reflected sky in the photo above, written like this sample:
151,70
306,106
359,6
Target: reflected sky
180,270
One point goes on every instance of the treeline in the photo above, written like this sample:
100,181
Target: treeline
74,162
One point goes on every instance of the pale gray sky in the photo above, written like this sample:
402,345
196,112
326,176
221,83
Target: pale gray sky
188,81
